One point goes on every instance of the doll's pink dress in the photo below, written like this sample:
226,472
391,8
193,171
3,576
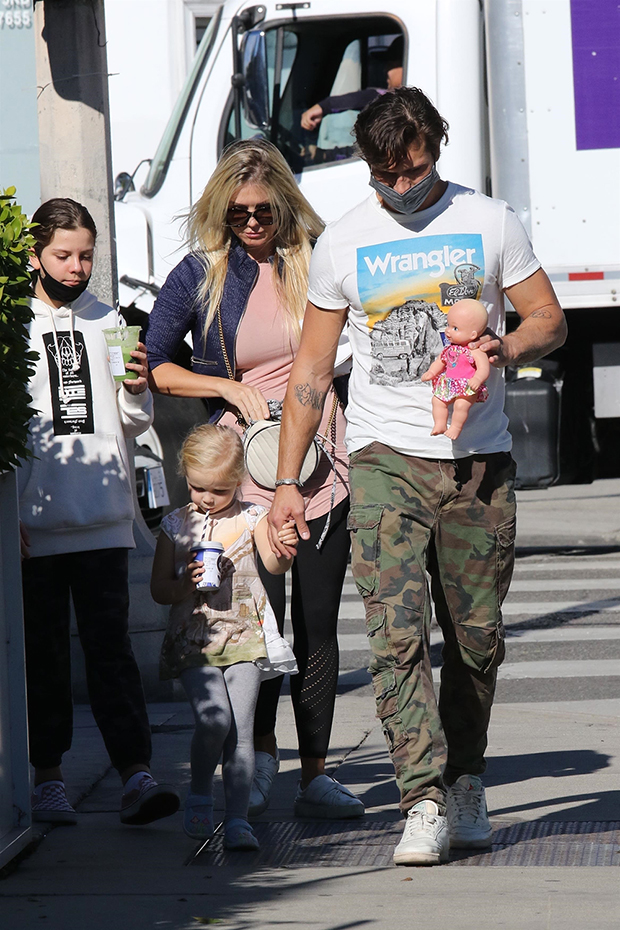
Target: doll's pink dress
454,380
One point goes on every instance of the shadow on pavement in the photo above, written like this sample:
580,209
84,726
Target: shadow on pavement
506,770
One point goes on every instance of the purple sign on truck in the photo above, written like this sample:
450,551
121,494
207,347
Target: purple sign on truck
596,72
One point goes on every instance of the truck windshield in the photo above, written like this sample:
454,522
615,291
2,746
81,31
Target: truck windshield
165,150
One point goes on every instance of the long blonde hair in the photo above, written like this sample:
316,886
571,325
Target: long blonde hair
254,161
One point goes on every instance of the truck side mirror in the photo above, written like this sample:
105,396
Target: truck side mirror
256,86
123,183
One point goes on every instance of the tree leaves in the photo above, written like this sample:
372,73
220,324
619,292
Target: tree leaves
16,357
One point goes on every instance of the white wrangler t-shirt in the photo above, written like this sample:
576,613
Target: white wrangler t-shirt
399,278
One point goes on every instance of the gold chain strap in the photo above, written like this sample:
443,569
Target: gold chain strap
240,418
223,345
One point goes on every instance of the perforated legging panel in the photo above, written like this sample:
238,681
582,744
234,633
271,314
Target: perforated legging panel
317,579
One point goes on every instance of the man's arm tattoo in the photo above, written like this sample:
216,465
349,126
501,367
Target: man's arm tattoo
309,396
543,314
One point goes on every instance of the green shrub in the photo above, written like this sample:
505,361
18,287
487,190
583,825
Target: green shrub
16,358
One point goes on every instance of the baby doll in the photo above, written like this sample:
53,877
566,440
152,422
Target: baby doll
458,375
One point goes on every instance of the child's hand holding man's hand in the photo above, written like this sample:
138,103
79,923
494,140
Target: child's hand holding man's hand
288,534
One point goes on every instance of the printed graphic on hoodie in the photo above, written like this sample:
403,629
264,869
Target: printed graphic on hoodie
406,287
72,395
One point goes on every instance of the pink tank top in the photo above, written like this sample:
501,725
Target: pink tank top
264,354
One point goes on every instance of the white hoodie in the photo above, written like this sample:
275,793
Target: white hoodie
75,494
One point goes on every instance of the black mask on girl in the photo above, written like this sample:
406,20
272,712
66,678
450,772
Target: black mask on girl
56,290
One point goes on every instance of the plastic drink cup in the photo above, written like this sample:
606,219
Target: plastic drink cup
121,343
210,554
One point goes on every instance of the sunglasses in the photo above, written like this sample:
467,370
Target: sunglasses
236,217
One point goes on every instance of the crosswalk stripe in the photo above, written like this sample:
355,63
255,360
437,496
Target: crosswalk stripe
358,642
354,610
568,565
543,608
580,668
565,584
521,586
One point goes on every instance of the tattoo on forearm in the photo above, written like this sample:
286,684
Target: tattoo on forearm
543,314
309,396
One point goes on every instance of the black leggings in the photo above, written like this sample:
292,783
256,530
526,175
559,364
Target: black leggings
317,579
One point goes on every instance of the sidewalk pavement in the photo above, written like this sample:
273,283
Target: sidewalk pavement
571,515
553,787
554,769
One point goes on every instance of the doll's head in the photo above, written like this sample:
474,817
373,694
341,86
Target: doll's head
467,320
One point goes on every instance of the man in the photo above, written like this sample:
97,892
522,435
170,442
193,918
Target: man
392,58
421,503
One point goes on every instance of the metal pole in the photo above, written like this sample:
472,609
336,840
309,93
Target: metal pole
74,121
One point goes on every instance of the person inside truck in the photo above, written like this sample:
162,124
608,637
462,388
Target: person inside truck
391,57
421,504
241,292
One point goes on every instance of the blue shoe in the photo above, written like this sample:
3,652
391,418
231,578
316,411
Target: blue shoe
198,816
238,835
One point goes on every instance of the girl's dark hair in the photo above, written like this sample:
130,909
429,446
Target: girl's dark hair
388,126
59,213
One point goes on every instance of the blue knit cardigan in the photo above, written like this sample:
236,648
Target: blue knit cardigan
178,310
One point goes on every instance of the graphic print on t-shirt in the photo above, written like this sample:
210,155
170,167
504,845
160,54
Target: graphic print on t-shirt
72,413
406,288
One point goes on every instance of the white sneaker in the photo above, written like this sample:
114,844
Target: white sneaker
425,839
468,820
326,799
265,770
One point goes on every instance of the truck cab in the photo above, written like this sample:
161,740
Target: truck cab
541,134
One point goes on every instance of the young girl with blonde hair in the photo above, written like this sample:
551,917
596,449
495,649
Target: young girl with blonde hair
241,292
220,641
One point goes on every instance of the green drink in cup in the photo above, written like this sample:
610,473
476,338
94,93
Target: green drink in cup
121,343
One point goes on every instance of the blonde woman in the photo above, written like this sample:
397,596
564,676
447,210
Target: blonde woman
241,292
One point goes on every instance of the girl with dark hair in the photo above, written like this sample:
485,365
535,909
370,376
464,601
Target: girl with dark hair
76,508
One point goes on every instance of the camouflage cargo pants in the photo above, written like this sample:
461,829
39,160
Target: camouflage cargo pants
456,521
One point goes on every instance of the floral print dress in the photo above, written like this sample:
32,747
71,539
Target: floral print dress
228,625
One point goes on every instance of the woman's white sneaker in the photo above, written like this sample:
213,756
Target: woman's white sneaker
425,839
265,771
468,820
326,799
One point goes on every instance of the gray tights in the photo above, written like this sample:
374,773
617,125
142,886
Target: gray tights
223,701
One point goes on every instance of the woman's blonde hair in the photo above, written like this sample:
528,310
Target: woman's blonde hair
216,449
255,161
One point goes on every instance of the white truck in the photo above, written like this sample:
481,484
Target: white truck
531,90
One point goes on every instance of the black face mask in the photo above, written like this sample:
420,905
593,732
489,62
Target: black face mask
56,290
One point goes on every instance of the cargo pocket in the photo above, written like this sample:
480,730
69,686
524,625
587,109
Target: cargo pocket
481,648
363,521
377,635
386,700
505,555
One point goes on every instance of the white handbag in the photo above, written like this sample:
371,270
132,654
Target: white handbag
261,439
